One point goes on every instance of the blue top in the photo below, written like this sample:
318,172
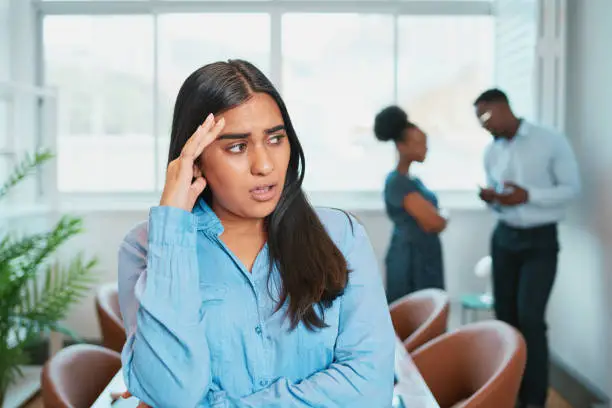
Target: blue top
414,257
397,186
202,331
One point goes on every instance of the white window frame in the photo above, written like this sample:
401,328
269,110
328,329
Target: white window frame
25,100
551,61
275,8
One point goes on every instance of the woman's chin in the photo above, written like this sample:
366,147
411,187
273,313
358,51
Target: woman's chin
260,209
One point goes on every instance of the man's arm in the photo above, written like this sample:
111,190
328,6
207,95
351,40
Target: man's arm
566,178
488,194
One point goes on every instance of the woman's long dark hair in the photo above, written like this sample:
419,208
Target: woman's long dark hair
313,271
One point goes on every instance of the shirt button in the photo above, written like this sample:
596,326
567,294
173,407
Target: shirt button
258,329
263,383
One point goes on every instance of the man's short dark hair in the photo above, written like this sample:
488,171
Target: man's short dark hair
492,96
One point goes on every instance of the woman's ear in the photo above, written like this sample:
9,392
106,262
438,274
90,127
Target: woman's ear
197,171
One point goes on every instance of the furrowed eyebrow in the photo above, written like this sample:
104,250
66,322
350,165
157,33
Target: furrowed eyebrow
233,136
275,129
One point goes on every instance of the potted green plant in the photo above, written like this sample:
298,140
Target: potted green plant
36,290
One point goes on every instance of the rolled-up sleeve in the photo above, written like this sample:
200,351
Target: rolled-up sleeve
165,359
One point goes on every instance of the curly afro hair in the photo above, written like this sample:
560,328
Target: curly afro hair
390,123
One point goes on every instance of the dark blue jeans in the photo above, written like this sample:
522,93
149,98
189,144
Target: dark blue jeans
524,269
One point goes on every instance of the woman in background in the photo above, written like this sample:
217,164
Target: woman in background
414,257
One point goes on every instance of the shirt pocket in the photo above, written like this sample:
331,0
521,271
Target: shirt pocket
213,309
212,292
223,317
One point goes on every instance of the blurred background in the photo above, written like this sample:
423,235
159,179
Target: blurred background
95,81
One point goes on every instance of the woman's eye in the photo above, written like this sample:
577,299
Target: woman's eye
276,139
237,148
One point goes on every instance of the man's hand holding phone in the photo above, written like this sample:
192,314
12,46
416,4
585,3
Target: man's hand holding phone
512,195
487,194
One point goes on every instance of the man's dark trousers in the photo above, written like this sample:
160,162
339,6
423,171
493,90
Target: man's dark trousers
524,269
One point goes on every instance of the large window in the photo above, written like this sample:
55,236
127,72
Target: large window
188,41
334,81
105,82
118,77
439,79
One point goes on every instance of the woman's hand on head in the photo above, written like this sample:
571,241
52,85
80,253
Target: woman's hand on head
184,180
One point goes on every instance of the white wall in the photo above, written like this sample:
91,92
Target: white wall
22,27
4,40
17,45
580,308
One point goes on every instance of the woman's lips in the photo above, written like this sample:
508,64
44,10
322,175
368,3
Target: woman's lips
264,192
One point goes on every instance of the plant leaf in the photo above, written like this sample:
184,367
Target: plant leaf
24,169
36,292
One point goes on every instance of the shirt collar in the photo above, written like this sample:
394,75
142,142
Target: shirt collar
206,219
523,129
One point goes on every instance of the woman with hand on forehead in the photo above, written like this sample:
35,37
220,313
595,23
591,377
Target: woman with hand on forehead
236,292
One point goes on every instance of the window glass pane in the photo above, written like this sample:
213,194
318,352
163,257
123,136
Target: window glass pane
103,68
516,38
189,41
335,79
444,64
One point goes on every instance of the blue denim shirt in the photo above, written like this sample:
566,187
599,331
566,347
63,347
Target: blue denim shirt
202,331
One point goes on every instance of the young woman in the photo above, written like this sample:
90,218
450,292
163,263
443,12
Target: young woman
414,257
236,292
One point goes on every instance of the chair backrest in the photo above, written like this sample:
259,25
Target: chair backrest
109,317
420,316
76,375
478,365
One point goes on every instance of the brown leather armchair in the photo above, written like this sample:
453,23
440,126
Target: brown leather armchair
76,375
109,317
479,365
420,317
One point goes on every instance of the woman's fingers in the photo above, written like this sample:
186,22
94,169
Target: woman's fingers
184,180
189,155
209,137
196,188
191,146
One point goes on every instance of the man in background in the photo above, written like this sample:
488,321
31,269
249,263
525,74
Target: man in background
532,175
